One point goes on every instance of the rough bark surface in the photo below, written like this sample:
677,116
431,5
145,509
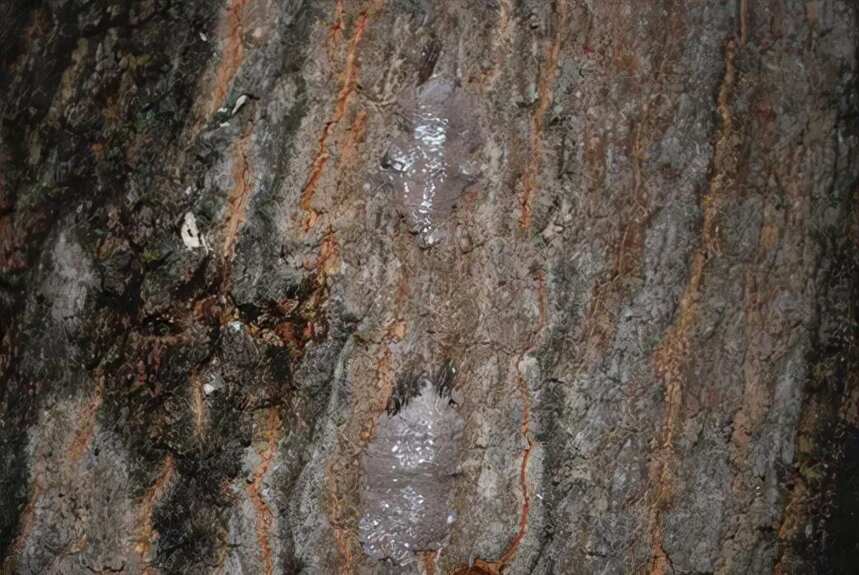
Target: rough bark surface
638,300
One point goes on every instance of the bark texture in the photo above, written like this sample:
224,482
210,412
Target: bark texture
612,245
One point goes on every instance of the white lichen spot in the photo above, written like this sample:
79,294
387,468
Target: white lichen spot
190,234
239,103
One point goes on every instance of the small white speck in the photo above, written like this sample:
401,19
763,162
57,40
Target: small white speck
239,103
189,232
203,37
208,388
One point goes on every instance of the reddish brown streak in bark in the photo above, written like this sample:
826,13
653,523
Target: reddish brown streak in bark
522,530
428,558
548,73
239,195
350,80
263,513
232,56
385,381
481,567
336,30
361,432
86,429
147,507
670,356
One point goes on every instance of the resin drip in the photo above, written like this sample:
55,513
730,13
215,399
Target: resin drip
431,163
409,465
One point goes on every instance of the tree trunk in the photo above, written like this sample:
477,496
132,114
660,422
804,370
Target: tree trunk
454,287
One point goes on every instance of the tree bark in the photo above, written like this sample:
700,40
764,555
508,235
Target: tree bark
591,266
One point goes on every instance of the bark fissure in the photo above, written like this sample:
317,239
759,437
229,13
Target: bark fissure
545,92
671,355
239,196
232,55
146,530
341,105
264,518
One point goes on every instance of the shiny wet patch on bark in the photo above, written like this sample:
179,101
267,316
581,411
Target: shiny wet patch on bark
410,466
435,158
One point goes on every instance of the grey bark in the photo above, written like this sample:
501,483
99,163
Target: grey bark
244,245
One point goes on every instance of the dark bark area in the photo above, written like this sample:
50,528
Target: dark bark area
585,275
